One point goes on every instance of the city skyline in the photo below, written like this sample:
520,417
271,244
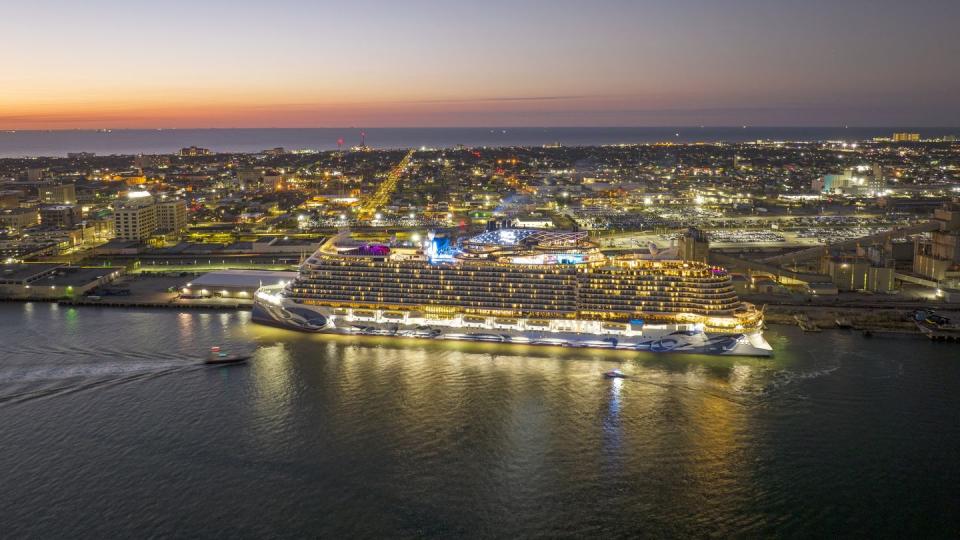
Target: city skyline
428,64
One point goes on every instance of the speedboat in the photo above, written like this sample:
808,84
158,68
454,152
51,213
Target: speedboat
615,374
219,357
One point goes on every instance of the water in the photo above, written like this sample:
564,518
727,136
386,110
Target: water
59,143
111,428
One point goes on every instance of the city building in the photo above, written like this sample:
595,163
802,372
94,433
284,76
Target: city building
273,180
58,194
141,216
96,229
19,218
906,137
239,284
857,274
10,199
866,180
50,281
937,257
150,161
193,151
171,216
35,174
61,216
248,178
135,219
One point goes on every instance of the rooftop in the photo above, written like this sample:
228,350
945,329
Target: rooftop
74,276
284,241
39,274
25,272
240,278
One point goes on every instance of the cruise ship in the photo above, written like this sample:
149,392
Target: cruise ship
522,286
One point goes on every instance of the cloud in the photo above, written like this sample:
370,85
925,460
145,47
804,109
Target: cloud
501,99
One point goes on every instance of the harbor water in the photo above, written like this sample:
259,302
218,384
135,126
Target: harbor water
114,428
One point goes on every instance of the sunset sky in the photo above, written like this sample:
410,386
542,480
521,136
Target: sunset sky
298,63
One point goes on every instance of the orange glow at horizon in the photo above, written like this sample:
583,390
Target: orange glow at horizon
294,63
207,113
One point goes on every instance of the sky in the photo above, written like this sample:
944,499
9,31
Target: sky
300,63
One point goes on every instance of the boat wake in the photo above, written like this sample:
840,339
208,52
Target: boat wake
785,377
46,352
28,386
86,370
35,371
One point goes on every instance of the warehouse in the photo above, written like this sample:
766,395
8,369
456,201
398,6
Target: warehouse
240,284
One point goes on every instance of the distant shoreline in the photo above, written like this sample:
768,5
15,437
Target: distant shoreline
58,143
690,126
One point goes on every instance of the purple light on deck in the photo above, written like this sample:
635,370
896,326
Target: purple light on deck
378,250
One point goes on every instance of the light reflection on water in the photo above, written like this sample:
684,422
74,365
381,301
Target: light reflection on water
354,436
611,424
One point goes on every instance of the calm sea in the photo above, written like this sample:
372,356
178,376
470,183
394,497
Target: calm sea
59,143
112,429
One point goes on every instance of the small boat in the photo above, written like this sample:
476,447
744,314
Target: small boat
615,374
219,357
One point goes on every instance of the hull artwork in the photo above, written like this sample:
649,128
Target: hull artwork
653,338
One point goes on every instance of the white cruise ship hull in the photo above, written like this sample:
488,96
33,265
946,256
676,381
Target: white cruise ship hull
277,310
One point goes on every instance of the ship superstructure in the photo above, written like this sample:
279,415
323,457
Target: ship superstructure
516,286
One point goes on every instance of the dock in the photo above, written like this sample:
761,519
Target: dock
178,304
934,333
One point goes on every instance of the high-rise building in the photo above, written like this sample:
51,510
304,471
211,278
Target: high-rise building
141,216
906,137
171,216
135,218
58,194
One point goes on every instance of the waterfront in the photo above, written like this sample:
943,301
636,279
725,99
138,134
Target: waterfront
165,141
113,429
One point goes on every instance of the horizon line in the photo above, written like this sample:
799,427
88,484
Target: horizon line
492,127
